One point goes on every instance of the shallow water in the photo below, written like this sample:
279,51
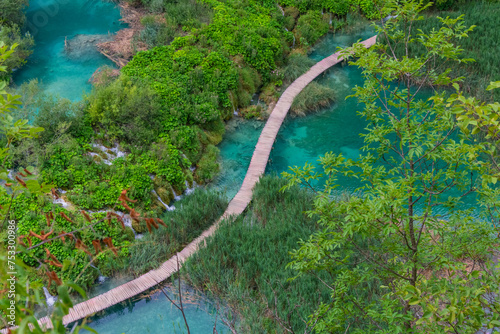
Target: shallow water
78,23
302,139
157,315
235,154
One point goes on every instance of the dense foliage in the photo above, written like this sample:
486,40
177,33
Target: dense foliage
424,222
12,20
484,39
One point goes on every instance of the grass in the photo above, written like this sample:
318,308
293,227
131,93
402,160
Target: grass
245,262
194,214
314,97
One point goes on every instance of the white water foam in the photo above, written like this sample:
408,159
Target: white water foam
49,299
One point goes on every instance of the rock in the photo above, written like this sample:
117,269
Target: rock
84,46
166,195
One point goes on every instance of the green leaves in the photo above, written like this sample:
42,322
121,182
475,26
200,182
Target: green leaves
407,224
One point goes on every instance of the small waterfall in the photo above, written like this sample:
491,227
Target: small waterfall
281,9
111,153
127,221
190,190
169,208
117,152
62,202
49,299
107,162
101,278
176,197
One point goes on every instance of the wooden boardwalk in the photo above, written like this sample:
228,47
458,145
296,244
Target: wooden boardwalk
235,207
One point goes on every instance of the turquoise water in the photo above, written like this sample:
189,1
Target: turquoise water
78,23
302,139
335,129
156,314
235,154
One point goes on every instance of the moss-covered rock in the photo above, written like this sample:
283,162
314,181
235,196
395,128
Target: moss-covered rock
189,177
166,194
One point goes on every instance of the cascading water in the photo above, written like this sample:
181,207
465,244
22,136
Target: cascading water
49,299
190,190
101,278
168,207
110,153
64,204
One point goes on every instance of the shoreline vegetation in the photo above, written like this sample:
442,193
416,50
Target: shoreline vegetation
153,129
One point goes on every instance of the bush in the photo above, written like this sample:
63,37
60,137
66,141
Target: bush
208,166
126,111
297,65
310,27
156,33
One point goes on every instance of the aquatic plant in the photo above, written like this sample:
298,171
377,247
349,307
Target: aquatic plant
297,64
313,97
193,215
245,263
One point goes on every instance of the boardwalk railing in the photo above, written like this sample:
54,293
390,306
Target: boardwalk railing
235,207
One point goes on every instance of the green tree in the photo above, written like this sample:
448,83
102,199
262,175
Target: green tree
405,253
11,12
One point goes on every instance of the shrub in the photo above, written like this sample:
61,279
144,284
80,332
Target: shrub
297,65
313,97
208,166
126,111
311,26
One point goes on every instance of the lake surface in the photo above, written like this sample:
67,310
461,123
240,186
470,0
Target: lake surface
65,32
156,314
301,139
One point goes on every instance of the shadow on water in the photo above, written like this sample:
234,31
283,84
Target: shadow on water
66,33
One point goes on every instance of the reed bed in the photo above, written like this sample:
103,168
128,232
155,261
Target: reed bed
194,214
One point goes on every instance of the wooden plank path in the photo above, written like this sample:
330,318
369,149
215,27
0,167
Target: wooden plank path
235,207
